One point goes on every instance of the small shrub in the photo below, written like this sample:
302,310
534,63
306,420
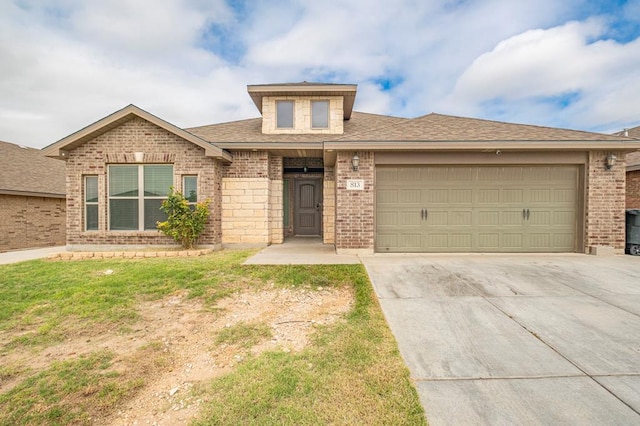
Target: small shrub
184,222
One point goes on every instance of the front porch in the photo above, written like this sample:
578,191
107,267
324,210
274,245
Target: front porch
302,251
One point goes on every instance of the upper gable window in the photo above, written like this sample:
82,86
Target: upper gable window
319,114
284,114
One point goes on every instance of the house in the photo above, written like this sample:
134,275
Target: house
633,171
32,198
311,166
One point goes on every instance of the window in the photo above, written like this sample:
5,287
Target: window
135,195
319,114
284,114
190,189
91,203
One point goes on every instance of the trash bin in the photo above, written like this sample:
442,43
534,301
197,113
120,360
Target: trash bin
633,232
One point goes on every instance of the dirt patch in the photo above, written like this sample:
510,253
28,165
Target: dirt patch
186,330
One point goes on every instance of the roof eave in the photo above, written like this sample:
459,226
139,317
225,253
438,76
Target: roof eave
347,91
32,193
557,145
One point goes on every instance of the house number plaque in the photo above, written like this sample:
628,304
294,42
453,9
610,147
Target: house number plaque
355,184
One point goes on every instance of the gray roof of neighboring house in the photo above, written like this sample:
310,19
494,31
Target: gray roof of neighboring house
633,158
26,171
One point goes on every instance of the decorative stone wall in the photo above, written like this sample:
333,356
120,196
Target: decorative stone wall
605,203
117,146
245,199
302,115
354,208
27,222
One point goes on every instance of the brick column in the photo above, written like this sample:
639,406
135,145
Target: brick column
605,203
354,208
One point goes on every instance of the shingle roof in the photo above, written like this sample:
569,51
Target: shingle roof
439,127
633,158
27,171
251,130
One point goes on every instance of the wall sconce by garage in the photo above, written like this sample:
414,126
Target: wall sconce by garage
610,161
138,156
355,162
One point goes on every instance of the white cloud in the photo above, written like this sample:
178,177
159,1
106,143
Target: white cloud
534,69
67,63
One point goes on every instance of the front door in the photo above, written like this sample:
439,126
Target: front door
307,207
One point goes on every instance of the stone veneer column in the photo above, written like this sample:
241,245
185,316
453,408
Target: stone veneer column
605,203
276,211
354,209
329,206
245,199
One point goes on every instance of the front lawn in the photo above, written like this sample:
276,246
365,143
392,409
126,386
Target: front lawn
349,373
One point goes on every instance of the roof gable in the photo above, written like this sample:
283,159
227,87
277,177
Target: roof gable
119,117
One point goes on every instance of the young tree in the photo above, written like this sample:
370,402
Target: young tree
184,222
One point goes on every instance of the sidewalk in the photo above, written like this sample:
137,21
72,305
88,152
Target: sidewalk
29,254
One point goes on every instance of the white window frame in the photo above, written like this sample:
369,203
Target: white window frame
293,114
324,101
140,197
91,203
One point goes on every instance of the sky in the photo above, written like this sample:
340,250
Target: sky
65,64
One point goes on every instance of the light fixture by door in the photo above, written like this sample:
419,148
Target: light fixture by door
355,162
610,161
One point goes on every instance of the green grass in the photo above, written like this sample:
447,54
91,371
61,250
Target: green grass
351,373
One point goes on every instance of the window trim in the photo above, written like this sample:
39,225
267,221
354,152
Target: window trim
293,114
325,101
91,203
141,197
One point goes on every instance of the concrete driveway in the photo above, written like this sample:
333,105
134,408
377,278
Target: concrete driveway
517,339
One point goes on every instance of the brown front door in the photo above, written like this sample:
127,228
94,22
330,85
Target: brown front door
308,207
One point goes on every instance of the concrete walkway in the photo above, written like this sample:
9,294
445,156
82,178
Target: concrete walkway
517,340
301,251
16,256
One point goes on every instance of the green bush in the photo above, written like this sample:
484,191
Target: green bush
184,222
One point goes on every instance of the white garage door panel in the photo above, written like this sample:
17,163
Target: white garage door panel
476,208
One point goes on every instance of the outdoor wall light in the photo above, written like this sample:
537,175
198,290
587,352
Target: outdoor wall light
610,161
355,162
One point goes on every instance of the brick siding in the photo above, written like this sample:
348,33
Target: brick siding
27,222
355,209
633,190
605,203
117,146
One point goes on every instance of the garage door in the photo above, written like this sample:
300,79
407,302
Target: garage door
476,209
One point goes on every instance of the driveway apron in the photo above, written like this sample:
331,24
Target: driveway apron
517,339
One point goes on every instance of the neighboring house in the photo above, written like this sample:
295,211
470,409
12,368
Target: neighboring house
32,198
310,166
633,171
